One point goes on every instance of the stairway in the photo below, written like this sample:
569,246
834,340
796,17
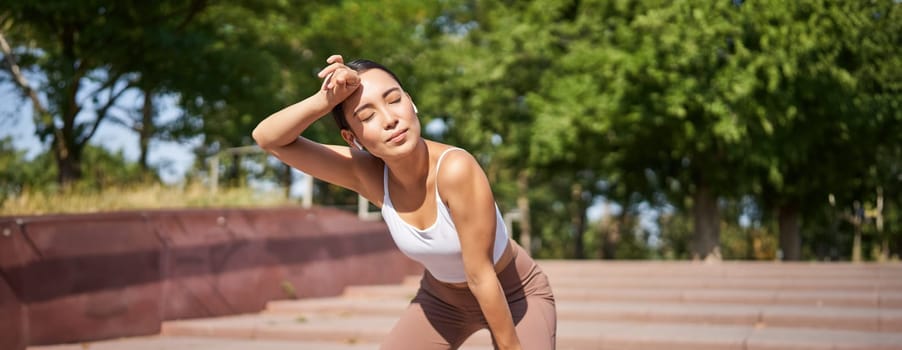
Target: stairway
605,305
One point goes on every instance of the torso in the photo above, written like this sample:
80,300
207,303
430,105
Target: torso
419,208
502,263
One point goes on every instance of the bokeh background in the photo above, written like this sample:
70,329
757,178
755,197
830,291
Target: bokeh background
616,129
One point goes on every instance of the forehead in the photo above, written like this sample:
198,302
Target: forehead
373,83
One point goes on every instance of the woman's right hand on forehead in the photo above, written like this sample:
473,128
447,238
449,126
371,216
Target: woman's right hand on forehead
339,81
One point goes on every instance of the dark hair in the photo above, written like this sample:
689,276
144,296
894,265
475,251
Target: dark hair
360,66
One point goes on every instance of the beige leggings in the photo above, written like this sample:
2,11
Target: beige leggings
443,316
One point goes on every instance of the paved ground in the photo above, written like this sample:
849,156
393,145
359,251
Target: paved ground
601,305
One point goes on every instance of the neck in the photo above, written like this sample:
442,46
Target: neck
410,171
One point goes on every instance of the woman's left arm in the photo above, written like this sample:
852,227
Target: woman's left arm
466,190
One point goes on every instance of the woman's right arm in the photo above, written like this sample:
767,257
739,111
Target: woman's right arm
283,127
279,134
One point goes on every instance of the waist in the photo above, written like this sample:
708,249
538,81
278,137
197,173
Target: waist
507,257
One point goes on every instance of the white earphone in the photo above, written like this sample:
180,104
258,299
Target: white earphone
415,109
359,146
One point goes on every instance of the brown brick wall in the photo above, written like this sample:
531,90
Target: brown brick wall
70,278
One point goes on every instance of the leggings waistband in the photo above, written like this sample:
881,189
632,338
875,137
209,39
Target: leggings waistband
515,278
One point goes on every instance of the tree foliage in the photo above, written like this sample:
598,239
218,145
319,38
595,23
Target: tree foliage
784,116
68,58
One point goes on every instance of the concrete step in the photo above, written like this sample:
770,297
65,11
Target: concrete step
572,334
844,318
738,296
713,295
345,329
596,279
207,343
602,305
721,269
696,282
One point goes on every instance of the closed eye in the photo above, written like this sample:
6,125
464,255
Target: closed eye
393,96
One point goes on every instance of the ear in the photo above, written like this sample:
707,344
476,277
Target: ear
349,137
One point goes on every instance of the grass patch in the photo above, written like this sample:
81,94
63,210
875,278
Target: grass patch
154,196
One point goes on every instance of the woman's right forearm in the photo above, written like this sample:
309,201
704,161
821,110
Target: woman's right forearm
284,127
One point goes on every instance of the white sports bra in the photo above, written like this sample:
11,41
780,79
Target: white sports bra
438,246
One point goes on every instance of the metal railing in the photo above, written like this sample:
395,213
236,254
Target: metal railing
363,208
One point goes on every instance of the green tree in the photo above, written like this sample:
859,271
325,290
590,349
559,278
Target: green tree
222,62
19,174
645,86
826,78
477,81
69,50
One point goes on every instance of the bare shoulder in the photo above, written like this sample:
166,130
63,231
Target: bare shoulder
460,170
464,187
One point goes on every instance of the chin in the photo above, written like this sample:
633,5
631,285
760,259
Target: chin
409,145
404,149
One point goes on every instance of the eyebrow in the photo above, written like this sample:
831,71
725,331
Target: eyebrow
368,105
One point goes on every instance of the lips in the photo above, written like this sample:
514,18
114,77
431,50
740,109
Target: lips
398,136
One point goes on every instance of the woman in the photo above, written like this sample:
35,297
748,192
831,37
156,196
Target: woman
438,206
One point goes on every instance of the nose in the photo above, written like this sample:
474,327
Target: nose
391,121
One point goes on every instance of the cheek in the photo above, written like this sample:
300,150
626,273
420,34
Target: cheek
369,132
406,112
414,120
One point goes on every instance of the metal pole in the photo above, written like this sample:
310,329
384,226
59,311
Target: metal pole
214,173
363,207
307,201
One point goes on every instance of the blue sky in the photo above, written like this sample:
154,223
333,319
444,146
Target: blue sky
16,121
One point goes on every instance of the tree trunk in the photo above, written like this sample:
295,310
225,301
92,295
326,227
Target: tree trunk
878,221
790,241
68,164
610,231
235,176
577,221
286,179
146,129
523,207
66,148
706,223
